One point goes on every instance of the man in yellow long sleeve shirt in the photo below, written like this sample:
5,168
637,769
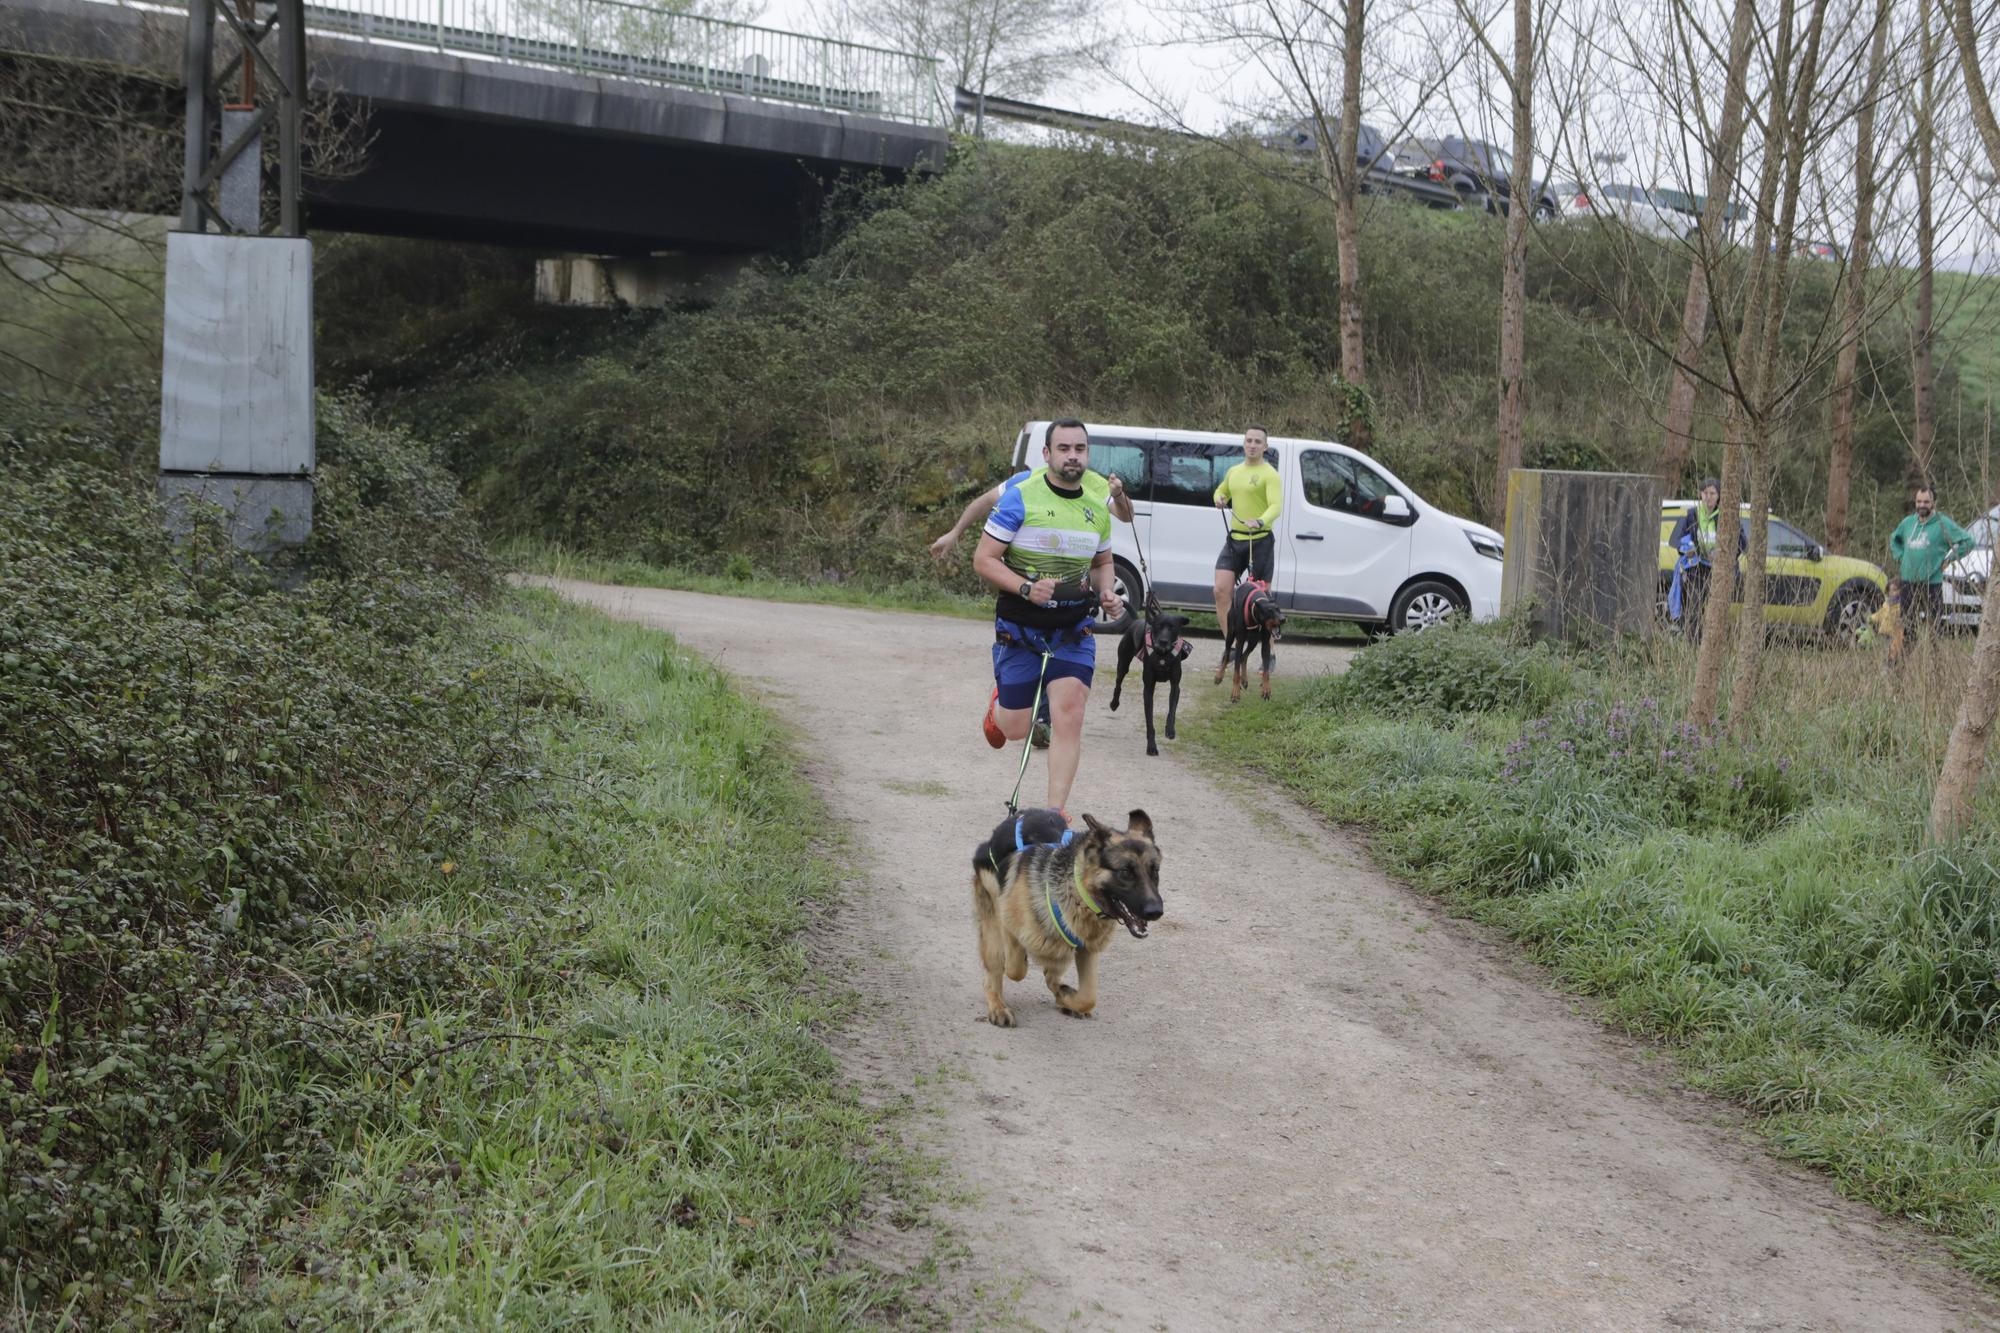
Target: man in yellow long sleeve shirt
1253,494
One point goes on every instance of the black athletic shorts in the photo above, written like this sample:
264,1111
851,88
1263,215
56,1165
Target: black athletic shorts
1253,555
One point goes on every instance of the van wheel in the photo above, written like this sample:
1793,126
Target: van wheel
1424,605
1126,583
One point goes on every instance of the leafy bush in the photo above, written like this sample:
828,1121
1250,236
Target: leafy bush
196,772
1684,775
1454,669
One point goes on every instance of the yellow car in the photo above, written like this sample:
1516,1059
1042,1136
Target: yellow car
1805,588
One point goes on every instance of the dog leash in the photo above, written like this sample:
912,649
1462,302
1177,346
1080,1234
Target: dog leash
1028,741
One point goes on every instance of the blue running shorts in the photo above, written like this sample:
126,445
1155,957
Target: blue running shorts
1017,659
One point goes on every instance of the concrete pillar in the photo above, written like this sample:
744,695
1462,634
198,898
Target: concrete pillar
645,282
236,386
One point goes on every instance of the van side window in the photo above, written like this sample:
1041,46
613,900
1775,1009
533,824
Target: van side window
1118,456
1187,474
1342,484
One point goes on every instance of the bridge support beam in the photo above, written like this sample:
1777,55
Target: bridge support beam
645,282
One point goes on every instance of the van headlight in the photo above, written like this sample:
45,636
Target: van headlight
1489,547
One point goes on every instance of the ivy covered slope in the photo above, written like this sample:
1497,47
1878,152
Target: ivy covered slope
827,416
390,947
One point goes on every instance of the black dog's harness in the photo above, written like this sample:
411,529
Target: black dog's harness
1247,594
1181,647
1056,919
1021,844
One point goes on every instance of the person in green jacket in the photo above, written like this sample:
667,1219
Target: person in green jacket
1253,494
1922,545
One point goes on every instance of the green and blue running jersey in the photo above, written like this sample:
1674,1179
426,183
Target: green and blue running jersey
1051,533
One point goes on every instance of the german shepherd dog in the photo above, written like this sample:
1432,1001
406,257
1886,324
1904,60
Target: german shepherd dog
1041,891
1158,643
1255,620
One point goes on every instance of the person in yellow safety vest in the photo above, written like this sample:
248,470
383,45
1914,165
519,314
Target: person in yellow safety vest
1253,494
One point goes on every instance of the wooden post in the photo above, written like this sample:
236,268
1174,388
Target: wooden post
1583,552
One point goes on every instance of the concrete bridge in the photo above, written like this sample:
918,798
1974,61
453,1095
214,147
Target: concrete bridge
570,125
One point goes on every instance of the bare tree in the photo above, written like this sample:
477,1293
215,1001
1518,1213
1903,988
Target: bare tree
1723,150
1517,74
1761,393
1005,48
1965,753
1770,407
1923,365
1296,36
1840,452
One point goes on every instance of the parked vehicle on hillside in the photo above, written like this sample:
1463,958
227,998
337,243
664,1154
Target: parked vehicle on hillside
1371,150
1353,542
1965,579
1477,170
1689,207
1631,205
1805,588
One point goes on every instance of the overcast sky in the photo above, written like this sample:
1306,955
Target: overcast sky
1158,78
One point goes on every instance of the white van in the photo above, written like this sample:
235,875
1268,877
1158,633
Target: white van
1354,543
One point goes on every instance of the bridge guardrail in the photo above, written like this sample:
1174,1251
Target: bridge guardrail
626,40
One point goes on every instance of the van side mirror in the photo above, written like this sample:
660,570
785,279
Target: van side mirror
1395,506
1815,553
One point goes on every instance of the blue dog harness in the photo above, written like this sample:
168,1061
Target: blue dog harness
1056,918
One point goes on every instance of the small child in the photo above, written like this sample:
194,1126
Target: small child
1888,621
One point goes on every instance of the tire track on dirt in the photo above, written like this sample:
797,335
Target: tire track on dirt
1310,1100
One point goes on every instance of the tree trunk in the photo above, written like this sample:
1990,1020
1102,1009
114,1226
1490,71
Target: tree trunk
1750,621
1840,452
1514,269
1678,446
1923,370
1771,404
1965,753
1347,226
1721,578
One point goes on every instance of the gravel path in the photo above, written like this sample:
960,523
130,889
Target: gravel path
1309,1100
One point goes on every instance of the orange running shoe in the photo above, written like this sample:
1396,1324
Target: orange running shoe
989,726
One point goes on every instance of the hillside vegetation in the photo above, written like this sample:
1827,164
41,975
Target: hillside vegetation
822,417
383,949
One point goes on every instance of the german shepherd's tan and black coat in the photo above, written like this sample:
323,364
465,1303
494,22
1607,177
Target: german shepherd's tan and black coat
1012,890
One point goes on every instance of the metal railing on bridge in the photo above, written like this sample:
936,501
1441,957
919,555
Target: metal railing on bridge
620,39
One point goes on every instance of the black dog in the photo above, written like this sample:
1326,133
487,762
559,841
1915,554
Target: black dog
1254,620
1158,641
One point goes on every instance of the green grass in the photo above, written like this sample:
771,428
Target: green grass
556,561
1766,909
1969,327
652,1135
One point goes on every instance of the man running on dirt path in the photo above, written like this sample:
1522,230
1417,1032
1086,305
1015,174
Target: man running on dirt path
1253,495
1047,551
982,504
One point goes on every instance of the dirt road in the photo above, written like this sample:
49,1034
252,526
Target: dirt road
1310,1099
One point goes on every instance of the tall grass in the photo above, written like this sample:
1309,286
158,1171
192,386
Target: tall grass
651,1134
1767,907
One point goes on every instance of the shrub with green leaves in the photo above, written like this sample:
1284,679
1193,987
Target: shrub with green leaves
196,770
1454,669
